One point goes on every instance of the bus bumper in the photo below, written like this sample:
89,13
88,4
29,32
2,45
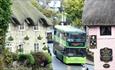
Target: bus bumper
74,60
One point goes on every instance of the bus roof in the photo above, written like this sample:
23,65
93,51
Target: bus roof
69,28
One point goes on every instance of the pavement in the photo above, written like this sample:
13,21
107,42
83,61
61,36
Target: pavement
90,62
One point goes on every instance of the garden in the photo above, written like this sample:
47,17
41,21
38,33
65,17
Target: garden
31,61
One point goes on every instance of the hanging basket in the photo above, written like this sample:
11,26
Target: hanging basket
39,37
10,38
45,48
26,38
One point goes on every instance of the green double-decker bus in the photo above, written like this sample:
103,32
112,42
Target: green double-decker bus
69,44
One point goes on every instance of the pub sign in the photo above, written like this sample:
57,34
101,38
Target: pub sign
106,54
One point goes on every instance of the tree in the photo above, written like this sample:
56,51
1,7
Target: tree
74,9
5,13
46,11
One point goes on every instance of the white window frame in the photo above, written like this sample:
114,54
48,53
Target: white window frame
36,47
36,27
9,46
22,27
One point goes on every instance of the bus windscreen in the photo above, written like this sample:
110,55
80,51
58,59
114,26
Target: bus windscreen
77,37
80,52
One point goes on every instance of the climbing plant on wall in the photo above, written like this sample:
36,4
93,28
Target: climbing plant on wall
5,14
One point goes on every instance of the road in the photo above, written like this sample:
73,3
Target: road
58,65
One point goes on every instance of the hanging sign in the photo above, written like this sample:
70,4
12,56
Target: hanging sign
106,65
106,54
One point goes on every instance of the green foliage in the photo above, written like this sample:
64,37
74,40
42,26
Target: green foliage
1,39
39,37
26,57
36,5
41,59
14,56
48,58
74,9
45,48
5,13
1,63
10,38
8,59
20,50
30,59
47,12
26,38
22,57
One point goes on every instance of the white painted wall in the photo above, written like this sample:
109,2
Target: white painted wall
102,42
18,36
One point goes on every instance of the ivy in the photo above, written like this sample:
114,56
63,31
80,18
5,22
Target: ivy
5,14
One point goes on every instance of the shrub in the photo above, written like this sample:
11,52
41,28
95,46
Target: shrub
42,59
39,57
48,58
26,59
14,56
30,59
22,57
1,63
8,59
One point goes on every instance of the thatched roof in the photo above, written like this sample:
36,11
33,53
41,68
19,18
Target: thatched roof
23,10
99,12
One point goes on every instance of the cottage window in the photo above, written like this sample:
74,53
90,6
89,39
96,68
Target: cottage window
21,27
9,46
36,47
105,30
35,27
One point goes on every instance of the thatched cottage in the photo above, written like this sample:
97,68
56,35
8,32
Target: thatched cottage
99,20
27,29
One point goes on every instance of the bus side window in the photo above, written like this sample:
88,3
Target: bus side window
58,34
64,36
54,32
